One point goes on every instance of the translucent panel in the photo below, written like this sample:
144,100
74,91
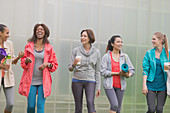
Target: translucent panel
134,20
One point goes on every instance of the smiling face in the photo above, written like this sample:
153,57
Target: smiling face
117,44
5,34
84,38
156,42
40,32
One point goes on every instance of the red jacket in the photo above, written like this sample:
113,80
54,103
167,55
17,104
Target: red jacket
50,57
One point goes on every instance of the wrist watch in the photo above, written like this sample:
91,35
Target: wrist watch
49,65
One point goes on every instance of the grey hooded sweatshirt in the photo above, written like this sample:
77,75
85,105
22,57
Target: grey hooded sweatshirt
89,69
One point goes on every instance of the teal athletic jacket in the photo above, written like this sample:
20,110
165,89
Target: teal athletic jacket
149,64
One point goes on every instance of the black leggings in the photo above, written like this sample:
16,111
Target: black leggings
115,97
77,89
152,97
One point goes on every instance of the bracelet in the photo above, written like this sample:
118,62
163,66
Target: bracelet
50,65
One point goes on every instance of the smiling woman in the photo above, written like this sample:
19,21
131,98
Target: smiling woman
114,81
38,62
85,62
7,78
154,75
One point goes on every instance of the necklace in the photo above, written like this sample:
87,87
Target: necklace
115,57
39,47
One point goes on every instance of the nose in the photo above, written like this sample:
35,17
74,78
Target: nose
82,37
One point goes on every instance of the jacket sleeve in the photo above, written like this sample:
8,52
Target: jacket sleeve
53,61
23,65
70,67
131,68
146,66
97,72
104,66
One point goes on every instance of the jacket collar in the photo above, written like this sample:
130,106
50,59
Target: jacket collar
121,53
30,47
83,51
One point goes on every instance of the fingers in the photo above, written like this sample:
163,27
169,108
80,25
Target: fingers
28,60
41,67
21,54
76,61
145,93
98,93
6,67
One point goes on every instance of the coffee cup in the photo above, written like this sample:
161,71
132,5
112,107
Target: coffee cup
166,66
78,57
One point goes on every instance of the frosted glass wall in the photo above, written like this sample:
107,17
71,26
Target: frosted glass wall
134,20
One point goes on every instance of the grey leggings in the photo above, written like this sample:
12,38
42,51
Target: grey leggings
9,94
77,89
115,97
152,97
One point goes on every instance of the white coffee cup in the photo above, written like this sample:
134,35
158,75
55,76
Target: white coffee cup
166,66
78,57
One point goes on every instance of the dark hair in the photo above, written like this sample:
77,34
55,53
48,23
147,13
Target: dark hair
34,36
90,35
112,40
2,26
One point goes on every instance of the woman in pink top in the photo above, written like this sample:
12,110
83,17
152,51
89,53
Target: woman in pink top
114,81
38,62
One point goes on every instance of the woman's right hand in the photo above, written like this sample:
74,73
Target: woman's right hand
76,61
144,90
28,60
20,54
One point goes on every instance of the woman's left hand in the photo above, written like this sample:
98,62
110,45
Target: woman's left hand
98,93
125,74
43,66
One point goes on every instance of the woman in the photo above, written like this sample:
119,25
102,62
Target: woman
154,76
38,61
87,73
114,78
7,78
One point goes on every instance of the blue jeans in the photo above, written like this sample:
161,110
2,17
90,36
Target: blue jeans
32,99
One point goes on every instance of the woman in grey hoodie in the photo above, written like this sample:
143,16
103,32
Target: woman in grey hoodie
85,62
114,81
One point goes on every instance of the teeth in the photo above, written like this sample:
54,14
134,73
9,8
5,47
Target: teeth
39,33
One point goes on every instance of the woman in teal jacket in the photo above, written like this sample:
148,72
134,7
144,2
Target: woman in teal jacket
154,76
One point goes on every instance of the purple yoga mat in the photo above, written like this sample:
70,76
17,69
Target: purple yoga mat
2,53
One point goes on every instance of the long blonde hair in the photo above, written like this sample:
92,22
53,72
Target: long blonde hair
160,36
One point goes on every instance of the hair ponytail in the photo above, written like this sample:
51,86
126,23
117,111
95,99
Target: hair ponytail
109,46
166,47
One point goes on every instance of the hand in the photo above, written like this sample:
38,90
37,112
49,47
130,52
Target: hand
124,74
20,54
98,93
28,60
144,90
43,66
76,61
6,67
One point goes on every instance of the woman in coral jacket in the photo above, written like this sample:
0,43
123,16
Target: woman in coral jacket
38,61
